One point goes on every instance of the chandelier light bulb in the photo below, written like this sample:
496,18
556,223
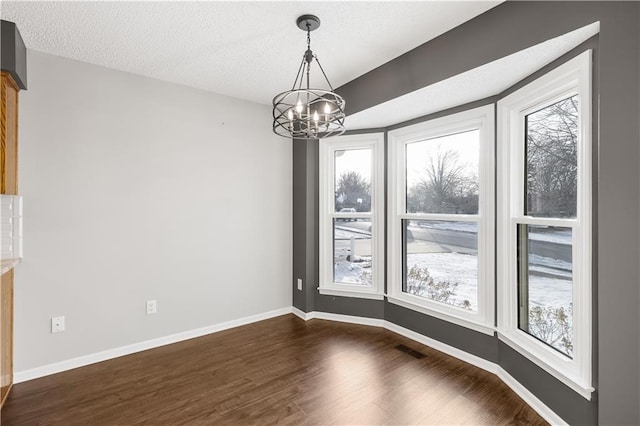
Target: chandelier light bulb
290,115
327,111
299,106
316,117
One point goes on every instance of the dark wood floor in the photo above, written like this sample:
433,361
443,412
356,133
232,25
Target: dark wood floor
282,370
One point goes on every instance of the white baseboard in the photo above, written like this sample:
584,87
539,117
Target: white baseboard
300,314
537,405
374,322
443,347
57,367
544,411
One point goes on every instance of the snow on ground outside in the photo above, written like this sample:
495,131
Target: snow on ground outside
353,272
453,267
555,291
558,237
548,265
550,292
345,271
344,234
450,226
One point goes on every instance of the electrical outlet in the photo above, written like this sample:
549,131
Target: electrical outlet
57,324
299,284
152,307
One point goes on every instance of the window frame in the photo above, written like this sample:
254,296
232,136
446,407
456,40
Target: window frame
571,78
328,147
482,118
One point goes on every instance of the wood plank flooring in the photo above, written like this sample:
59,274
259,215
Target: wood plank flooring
279,371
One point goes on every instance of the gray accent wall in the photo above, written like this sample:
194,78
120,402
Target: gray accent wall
501,31
351,306
573,408
305,223
473,342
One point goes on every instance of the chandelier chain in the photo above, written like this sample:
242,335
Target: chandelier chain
323,73
298,75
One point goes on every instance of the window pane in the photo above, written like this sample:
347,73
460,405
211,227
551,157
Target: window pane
551,160
442,174
441,261
545,272
352,253
353,180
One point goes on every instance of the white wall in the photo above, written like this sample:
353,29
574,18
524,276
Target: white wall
137,189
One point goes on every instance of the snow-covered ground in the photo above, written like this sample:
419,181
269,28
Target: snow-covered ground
353,272
471,227
350,269
555,236
549,285
458,268
343,233
555,292
545,265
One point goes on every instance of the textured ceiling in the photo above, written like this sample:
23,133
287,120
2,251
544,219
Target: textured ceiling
249,50
487,80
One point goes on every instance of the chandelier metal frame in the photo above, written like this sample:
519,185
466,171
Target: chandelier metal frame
305,112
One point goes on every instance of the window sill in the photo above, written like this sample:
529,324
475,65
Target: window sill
463,322
519,343
361,294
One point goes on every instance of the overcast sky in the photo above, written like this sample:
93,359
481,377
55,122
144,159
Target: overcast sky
419,154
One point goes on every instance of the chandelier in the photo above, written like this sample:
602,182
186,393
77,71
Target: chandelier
304,112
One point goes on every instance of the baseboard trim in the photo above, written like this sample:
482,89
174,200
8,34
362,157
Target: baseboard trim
58,367
531,400
537,405
443,347
300,314
373,322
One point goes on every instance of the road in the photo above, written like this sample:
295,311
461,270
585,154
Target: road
468,240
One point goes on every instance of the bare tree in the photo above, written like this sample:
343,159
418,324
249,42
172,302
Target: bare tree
352,190
447,186
444,174
552,159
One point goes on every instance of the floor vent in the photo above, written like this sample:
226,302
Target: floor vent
407,350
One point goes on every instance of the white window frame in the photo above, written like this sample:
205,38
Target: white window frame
571,78
328,147
483,119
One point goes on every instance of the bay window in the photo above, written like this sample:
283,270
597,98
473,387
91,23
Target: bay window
544,222
352,216
440,229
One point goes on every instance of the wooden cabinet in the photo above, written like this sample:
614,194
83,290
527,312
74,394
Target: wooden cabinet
8,185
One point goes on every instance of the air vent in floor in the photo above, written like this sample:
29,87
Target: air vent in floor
407,350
